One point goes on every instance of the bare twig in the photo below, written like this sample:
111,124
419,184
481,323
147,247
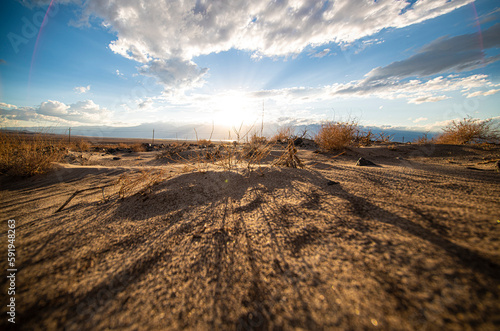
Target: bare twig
80,191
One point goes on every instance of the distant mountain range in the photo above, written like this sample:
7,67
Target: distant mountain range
204,131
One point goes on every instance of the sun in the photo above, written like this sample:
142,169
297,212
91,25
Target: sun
234,109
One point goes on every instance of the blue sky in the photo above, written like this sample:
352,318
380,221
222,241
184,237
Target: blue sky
393,64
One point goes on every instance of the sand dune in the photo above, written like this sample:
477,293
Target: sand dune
410,244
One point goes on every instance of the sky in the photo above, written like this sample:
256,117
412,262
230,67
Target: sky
412,65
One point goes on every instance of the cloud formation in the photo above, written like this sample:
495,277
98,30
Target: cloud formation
456,54
321,54
165,29
175,73
166,35
81,112
82,89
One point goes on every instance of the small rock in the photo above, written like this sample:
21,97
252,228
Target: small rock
116,158
362,162
331,182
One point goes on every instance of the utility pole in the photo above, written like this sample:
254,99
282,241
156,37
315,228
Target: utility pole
262,125
153,137
69,136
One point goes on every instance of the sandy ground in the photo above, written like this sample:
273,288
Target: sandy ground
410,244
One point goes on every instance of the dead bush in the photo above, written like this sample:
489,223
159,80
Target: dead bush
204,142
23,155
141,183
138,147
334,136
80,145
423,139
289,158
469,130
284,135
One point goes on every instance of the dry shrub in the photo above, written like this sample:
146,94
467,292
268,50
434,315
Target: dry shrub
23,155
364,138
173,151
256,139
383,137
469,130
337,135
284,135
289,157
255,151
423,139
141,183
80,145
204,142
138,147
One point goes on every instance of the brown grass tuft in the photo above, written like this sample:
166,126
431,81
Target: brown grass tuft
80,145
289,158
283,135
141,183
469,130
138,147
204,142
28,155
423,139
336,135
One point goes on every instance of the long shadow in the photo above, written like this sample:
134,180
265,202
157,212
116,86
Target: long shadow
468,258
235,185
194,189
172,200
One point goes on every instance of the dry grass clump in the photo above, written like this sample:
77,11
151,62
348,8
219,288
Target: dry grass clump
337,135
289,157
423,139
123,146
173,151
141,183
256,139
138,147
469,130
284,135
365,138
204,142
28,155
80,145
384,137
255,151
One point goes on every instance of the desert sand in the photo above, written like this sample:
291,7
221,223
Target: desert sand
410,244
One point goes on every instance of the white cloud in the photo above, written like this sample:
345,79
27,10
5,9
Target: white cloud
166,35
267,27
6,105
53,108
119,74
321,54
175,73
82,89
81,112
481,93
175,32
420,119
